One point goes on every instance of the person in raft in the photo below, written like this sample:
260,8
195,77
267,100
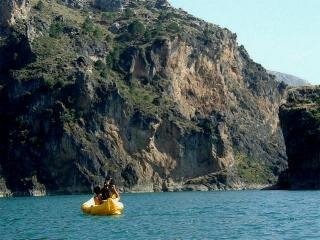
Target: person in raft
98,196
109,189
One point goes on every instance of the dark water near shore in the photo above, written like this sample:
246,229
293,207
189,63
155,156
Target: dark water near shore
188,215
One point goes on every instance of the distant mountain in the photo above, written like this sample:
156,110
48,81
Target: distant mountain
289,79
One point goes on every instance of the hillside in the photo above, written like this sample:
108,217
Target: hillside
159,99
289,79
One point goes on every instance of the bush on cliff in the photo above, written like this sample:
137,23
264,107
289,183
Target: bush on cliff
136,28
252,170
128,13
89,28
108,16
173,27
39,6
88,25
56,29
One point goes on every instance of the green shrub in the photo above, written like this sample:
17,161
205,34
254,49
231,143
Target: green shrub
48,81
128,13
109,37
165,16
102,68
109,60
105,72
158,31
99,65
68,116
207,36
316,100
140,96
125,37
88,25
136,28
91,29
56,29
39,6
316,114
252,170
173,27
147,36
108,16
97,33
207,33
113,58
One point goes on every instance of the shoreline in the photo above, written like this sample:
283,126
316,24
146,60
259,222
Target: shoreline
193,188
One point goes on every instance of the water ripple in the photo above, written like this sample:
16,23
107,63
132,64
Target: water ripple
193,215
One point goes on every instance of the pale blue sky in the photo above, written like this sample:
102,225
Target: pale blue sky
282,35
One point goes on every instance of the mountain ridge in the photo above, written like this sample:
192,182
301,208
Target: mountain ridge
289,79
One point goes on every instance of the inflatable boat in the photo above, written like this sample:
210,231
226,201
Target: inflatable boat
111,206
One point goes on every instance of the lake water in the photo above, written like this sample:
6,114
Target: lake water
186,215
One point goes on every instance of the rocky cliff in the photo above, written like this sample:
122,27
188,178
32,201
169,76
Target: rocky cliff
161,100
300,120
13,10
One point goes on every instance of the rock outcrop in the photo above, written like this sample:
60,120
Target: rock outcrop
161,107
76,3
13,10
110,5
4,191
162,4
300,121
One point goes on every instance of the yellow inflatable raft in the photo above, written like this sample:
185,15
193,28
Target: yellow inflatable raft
111,206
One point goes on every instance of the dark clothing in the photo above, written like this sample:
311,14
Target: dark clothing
106,192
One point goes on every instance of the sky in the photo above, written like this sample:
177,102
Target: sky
282,35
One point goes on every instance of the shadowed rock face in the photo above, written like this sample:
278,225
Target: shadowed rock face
300,121
168,107
12,10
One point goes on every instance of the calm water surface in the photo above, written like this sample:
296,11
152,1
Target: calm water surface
188,215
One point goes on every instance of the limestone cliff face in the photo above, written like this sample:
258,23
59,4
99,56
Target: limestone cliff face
168,107
12,10
300,123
